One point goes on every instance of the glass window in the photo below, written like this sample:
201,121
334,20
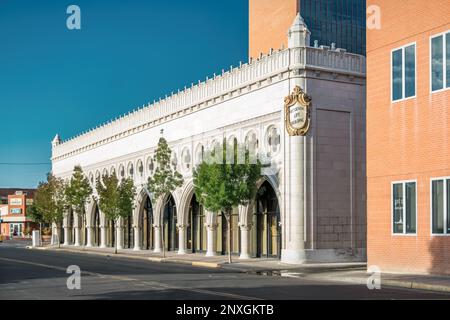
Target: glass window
447,206
410,71
447,59
440,62
404,208
404,72
398,207
440,195
438,206
410,190
397,86
437,61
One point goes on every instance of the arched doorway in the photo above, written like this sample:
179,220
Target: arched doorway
96,227
196,231
222,233
128,232
170,230
146,225
266,222
71,227
60,231
111,234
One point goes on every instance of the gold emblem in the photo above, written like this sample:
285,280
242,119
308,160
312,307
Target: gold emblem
297,108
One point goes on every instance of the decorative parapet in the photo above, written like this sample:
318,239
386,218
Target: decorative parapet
228,84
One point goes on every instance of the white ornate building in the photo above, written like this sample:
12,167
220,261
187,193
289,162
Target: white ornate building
311,205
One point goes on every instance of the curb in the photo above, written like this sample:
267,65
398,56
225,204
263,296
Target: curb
384,282
278,273
203,264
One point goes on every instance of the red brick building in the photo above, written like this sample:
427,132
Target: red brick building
14,207
408,137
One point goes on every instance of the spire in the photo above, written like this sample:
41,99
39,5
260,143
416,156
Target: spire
56,141
299,34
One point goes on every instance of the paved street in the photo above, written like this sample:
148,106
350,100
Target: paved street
37,274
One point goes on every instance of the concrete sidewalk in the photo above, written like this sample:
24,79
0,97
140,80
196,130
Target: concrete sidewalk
410,281
350,273
267,266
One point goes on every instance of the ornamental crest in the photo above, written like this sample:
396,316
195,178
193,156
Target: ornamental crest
297,108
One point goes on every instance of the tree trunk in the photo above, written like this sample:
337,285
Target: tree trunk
162,230
228,217
115,236
40,233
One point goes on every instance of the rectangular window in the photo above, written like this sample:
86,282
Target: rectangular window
440,62
404,72
404,215
447,59
440,215
397,84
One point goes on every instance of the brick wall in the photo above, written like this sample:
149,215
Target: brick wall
406,140
269,23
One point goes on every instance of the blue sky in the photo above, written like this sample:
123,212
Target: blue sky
127,53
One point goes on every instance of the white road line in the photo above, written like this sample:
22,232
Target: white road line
154,284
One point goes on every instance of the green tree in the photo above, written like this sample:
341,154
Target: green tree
50,200
116,199
165,179
34,214
78,191
222,185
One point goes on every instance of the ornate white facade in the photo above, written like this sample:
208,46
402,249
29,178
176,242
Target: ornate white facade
318,180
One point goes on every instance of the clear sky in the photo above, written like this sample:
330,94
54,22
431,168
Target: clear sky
127,53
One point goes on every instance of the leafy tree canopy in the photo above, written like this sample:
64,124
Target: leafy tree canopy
115,199
166,178
78,190
50,199
223,185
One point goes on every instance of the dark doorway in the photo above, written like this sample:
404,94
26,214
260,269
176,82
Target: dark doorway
223,232
96,227
196,234
170,230
71,228
111,233
128,236
267,233
146,225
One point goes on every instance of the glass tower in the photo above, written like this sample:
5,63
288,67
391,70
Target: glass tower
342,22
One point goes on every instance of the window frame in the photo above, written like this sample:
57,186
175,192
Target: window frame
446,233
403,72
444,61
403,234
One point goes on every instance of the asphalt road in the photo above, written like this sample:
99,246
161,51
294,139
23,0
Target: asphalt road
39,274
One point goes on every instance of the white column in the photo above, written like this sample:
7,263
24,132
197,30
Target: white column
295,246
90,237
103,230
211,240
52,240
157,240
119,237
66,235
77,236
137,238
182,239
245,241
